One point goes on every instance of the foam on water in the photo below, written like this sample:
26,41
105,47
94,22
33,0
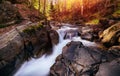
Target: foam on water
41,66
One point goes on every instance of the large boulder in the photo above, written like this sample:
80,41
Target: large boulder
110,69
22,43
11,56
111,35
41,36
79,60
76,60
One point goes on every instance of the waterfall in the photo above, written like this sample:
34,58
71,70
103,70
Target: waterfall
41,66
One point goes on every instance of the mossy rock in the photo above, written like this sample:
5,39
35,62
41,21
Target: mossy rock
111,35
29,30
39,26
32,29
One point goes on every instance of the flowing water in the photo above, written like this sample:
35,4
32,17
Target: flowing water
41,66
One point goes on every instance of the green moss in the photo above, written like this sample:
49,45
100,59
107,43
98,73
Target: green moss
31,30
116,13
39,26
94,21
2,26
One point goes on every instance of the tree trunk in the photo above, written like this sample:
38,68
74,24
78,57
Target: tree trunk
39,5
44,8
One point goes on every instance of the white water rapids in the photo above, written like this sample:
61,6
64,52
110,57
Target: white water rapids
41,66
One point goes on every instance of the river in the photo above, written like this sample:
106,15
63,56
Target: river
41,66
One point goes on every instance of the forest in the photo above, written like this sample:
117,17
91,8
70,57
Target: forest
59,37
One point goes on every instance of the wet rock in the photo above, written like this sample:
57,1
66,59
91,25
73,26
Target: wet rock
76,60
104,22
9,60
87,36
87,33
42,38
54,37
20,46
111,35
109,69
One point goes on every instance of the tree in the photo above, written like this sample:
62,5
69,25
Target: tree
44,7
52,10
39,3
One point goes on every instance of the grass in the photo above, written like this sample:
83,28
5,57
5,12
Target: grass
116,13
94,21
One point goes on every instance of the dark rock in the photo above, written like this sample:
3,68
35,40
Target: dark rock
115,50
54,37
9,13
76,60
87,33
104,22
79,60
9,60
111,22
23,46
87,36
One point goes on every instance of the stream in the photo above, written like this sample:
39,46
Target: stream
41,66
